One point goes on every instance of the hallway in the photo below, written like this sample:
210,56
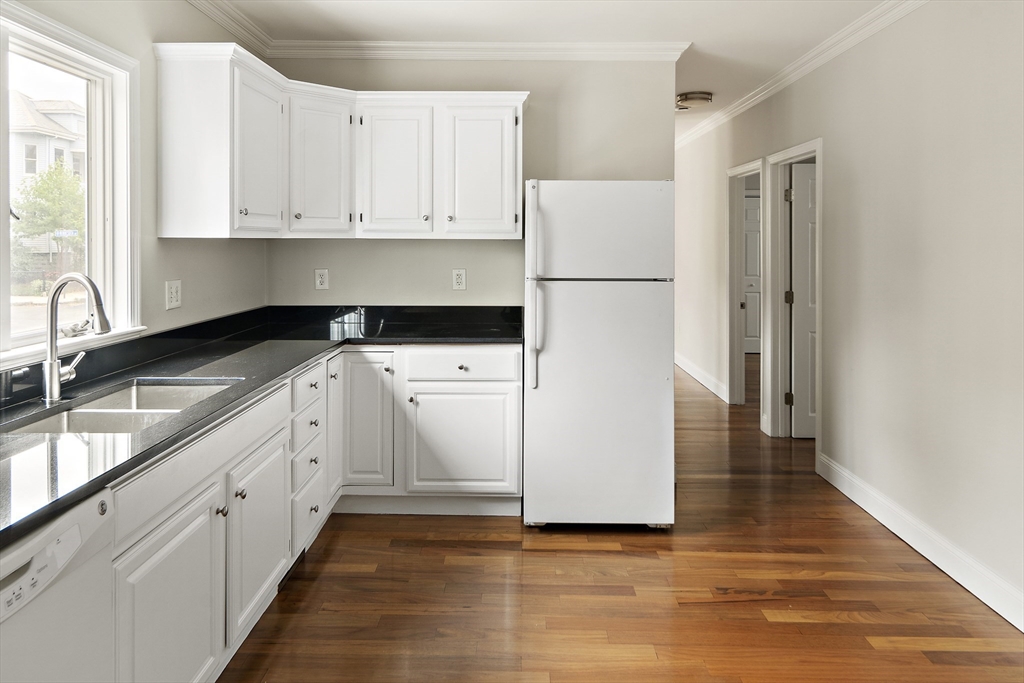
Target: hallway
770,575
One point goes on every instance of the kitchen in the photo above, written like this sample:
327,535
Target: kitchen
565,117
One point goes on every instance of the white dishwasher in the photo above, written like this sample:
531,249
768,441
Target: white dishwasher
57,598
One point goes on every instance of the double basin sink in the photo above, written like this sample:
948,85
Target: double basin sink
130,406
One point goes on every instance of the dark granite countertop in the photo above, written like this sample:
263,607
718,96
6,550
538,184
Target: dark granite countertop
41,475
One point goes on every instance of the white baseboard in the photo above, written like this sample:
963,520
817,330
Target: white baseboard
991,589
719,389
431,505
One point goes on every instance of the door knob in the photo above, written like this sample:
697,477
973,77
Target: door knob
314,385
411,400
334,375
241,493
451,218
387,369
315,460
223,512
314,423
298,215
315,508
426,217
462,367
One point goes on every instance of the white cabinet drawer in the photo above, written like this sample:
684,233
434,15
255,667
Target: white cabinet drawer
308,508
307,424
309,460
454,364
309,385
140,499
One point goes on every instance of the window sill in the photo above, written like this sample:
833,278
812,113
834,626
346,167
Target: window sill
36,353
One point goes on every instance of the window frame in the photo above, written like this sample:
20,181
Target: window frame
34,159
111,165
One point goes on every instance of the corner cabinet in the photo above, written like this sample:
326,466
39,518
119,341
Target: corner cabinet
221,143
245,152
367,416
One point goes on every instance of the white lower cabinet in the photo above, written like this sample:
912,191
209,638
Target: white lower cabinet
308,510
257,530
169,596
463,437
367,413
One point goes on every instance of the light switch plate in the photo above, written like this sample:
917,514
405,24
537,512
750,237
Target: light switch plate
320,278
172,294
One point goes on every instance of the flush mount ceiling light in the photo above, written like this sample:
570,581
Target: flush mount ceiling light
689,100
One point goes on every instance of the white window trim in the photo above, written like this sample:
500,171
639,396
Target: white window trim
124,170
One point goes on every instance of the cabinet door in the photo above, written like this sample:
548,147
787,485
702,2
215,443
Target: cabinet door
169,596
463,437
396,156
259,153
480,171
368,419
258,493
319,178
335,417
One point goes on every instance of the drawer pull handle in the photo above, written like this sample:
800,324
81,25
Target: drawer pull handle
315,508
242,493
334,375
462,367
314,385
314,423
411,400
315,460
223,512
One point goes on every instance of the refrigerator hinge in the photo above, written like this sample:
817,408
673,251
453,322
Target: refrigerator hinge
787,195
788,398
789,297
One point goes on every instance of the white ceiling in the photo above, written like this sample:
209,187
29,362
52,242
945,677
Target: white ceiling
735,45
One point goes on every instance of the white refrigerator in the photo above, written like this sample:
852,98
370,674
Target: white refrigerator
598,429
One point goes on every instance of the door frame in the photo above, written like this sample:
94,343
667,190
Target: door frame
737,185
776,416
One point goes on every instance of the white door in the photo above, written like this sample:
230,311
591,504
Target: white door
396,155
368,424
480,171
804,304
752,274
463,437
598,430
169,597
335,417
260,172
319,177
258,503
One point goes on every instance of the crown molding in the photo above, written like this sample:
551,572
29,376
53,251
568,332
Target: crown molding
867,25
258,42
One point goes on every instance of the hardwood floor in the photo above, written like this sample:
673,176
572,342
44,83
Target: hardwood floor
769,575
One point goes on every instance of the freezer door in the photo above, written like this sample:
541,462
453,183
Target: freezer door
614,229
598,427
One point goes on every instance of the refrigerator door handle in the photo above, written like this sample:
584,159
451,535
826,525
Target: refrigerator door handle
532,229
530,335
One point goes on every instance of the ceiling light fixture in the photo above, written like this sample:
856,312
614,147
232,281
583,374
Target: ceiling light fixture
689,100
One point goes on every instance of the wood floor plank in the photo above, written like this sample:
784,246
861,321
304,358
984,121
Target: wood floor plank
769,575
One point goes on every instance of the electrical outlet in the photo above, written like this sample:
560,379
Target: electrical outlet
458,278
172,294
320,278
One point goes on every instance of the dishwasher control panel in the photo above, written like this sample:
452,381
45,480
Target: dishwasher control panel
18,589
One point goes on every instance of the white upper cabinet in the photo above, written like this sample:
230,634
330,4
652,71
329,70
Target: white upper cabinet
480,181
222,143
320,177
395,161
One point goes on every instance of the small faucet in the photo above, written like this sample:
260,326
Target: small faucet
53,374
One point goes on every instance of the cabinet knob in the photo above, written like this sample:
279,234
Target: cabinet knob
462,367
298,215
426,217
241,493
387,369
451,218
334,375
314,423
315,508
411,399
244,212
223,512
314,385
315,460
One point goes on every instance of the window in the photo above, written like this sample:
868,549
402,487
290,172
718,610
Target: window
61,91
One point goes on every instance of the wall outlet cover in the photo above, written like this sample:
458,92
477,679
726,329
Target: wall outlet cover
320,279
172,294
458,278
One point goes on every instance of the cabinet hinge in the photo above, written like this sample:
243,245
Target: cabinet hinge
787,195
360,217
360,120
517,120
282,108
789,297
350,118
788,398
350,218
517,218
743,305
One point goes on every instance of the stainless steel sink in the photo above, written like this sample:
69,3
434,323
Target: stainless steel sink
131,406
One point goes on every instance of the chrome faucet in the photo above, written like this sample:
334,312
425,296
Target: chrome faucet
53,374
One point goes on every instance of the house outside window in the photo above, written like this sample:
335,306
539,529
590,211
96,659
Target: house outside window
64,92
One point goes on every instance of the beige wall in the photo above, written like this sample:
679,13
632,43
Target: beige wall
584,121
218,277
922,271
